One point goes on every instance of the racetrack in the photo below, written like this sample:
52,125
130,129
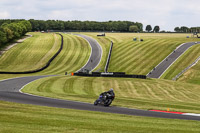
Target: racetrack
96,53
10,91
169,60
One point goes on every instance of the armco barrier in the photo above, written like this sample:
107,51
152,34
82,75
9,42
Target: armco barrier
109,56
44,67
114,74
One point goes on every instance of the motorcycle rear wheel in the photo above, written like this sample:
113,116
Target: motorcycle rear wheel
95,102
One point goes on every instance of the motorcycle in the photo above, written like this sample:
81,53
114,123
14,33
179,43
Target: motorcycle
105,100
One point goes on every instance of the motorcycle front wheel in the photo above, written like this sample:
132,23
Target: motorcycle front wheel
108,102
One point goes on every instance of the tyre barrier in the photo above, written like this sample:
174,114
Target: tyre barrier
44,67
114,74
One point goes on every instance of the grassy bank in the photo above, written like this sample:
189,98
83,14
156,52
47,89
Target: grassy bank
28,118
75,54
192,75
137,57
184,61
31,54
133,93
131,57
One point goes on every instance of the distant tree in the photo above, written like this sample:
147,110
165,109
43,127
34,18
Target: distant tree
27,24
148,28
184,29
14,29
177,29
133,28
3,37
156,29
140,26
24,29
195,29
8,31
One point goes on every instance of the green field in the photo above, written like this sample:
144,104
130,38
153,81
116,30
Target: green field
74,55
133,93
135,57
32,54
18,118
128,56
192,75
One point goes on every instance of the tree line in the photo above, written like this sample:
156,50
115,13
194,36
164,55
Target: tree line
122,26
45,25
13,29
184,29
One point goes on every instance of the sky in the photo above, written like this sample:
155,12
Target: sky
168,14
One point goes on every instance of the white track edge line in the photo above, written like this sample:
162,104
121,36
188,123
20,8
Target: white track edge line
191,114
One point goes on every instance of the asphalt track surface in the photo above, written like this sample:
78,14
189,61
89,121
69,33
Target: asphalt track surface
169,60
96,53
10,90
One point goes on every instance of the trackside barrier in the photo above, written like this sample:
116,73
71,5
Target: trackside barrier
114,74
109,56
44,67
191,65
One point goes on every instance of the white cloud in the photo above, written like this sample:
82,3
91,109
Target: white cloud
4,15
167,14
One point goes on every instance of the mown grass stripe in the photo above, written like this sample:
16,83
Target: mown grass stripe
53,120
153,53
121,57
31,51
132,61
75,53
136,48
129,60
144,94
123,52
79,53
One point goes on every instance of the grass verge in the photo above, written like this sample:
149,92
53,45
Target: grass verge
135,57
28,118
184,61
133,93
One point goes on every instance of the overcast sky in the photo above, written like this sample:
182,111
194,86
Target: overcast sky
165,13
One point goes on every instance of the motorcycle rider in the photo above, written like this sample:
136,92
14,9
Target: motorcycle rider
110,92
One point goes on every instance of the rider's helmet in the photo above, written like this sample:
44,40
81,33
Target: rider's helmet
111,89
